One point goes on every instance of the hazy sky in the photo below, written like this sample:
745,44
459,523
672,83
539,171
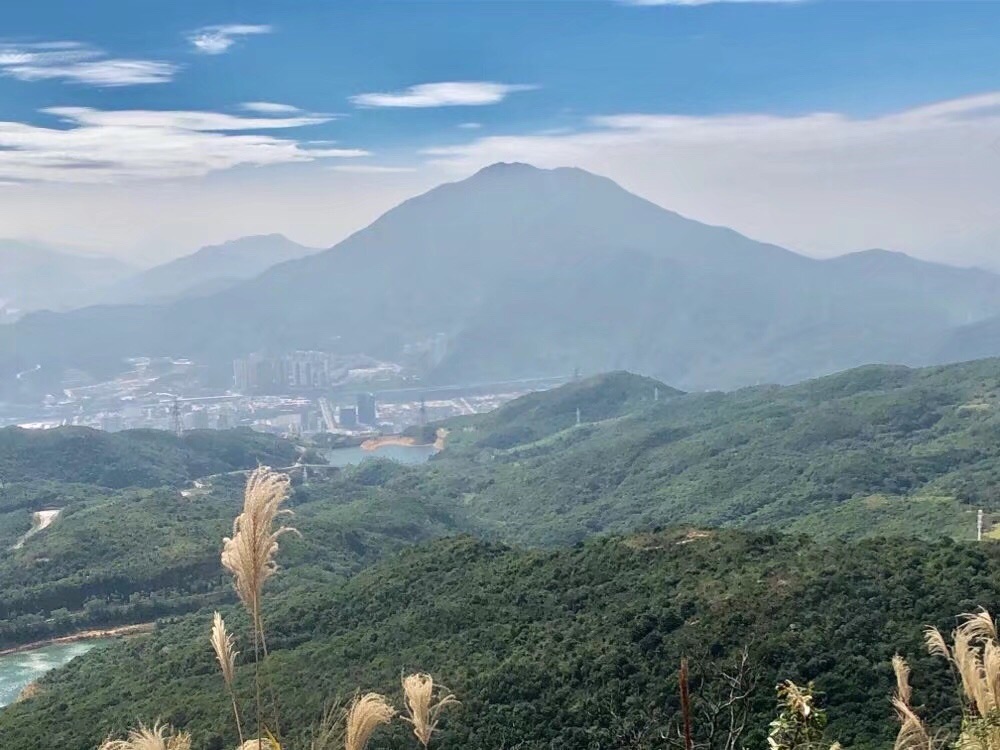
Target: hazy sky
148,129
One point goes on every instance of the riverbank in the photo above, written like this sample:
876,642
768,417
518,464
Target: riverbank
373,444
83,635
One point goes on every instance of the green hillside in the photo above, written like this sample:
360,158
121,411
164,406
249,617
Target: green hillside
566,649
117,557
134,458
875,451
868,451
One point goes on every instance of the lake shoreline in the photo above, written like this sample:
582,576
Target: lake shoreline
373,444
83,635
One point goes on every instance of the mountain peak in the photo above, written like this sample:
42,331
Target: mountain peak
508,167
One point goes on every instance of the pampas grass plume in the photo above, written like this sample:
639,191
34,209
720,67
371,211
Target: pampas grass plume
421,710
223,643
160,737
249,554
366,713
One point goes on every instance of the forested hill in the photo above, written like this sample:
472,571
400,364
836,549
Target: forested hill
134,458
560,649
545,413
871,450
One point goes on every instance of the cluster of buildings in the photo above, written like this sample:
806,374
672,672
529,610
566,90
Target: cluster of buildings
302,371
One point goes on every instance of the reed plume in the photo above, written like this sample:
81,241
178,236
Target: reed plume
224,645
912,733
249,554
365,714
421,709
974,656
159,737
259,743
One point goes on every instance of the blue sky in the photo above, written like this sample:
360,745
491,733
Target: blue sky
549,82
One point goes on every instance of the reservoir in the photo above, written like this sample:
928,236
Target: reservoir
17,671
405,454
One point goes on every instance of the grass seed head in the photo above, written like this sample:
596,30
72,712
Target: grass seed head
365,714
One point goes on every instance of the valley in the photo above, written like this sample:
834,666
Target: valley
866,462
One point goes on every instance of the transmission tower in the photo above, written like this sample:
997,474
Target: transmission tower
175,418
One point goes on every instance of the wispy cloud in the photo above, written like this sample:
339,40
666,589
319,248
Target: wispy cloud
76,62
470,125
916,178
370,169
443,94
214,40
270,108
109,146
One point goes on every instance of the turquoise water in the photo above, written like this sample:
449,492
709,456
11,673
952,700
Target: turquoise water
405,454
18,670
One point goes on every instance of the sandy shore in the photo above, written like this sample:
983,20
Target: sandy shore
83,635
373,444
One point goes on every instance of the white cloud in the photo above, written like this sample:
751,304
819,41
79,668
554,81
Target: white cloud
370,169
76,62
924,179
470,125
443,94
109,146
270,108
214,40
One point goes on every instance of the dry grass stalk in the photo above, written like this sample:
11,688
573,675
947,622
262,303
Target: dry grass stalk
328,732
224,645
912,733
902,671
259,743
366,713
159,737
974,656
249,554
421,709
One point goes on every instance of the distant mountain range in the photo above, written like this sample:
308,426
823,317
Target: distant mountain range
209,270
540,272
36,277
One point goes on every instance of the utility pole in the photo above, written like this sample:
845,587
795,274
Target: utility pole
979,525
578,416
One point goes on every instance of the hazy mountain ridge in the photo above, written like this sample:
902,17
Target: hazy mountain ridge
538,272
36,277
209,270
